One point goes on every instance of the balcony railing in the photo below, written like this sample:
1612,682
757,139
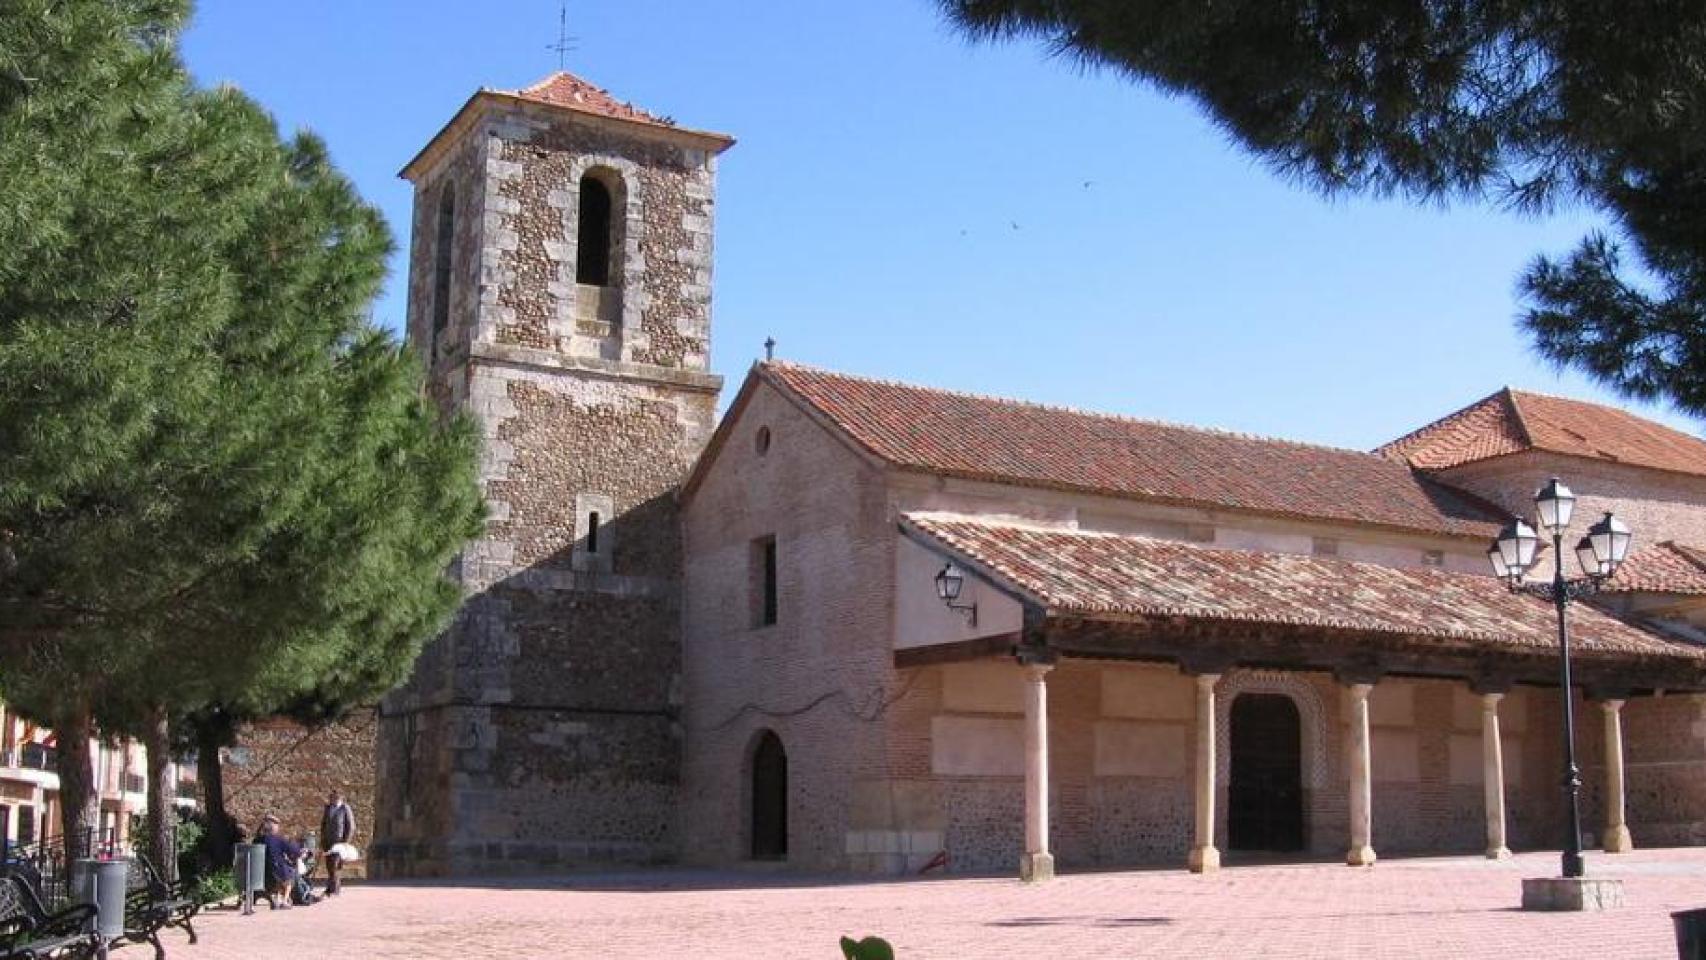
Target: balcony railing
38,757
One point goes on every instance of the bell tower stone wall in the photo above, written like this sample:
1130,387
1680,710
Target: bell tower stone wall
542,728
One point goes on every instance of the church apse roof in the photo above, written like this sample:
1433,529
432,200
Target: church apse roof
1027,444
1665,567
1109,576
1515,421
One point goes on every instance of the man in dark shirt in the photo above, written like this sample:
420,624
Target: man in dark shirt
337,826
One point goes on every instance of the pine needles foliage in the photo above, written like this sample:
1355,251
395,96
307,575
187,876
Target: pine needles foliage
1525,103
221,485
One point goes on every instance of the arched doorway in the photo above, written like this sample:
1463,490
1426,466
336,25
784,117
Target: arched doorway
1265,792
769,799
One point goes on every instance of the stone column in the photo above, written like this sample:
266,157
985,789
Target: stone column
1493,776
1617,839
1361,853
1205,858
1037,863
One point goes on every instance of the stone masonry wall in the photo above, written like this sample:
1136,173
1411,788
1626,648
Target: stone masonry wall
285,769
542,728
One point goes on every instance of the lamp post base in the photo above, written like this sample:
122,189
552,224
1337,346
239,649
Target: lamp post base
1571,893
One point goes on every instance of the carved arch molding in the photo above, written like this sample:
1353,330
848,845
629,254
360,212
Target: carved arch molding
1312,717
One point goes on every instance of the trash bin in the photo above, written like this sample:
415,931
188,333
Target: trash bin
102,883
1690,934
250,872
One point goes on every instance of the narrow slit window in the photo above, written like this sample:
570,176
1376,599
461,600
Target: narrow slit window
443,242
592,532
592,240
764,592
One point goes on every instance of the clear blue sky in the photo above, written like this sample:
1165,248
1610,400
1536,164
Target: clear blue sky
902,203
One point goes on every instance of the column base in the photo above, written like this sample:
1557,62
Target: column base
1617,840
1360,857
1036,867
1498,853
1571,893
1205,859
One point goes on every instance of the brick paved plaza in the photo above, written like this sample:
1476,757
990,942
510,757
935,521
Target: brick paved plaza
1438,907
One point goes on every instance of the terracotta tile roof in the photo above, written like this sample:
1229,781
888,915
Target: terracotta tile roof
1667,567
1008,441
564,89
1114,576
1512,421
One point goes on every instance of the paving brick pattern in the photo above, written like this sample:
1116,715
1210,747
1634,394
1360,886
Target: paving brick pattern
1435,908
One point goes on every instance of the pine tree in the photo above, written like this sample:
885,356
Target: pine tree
1522,102
222,484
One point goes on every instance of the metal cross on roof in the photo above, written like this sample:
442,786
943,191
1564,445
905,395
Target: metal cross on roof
565,42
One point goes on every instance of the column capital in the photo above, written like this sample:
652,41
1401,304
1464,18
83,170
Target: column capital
1490,700
1611,704
1358,675
1360,690
1207,681
1035,672
1490,683
1034,655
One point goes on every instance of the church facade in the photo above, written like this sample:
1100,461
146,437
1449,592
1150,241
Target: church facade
703,642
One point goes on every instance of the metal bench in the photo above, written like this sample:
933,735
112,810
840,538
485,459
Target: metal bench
29,932
151,905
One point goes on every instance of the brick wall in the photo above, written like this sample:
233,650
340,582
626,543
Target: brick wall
1656,505
821,676
281,768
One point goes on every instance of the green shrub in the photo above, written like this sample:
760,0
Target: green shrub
870,948
214,887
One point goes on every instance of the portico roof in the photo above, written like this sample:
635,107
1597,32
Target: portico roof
1090,576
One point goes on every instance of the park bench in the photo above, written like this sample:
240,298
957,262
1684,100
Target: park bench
29,932
151,905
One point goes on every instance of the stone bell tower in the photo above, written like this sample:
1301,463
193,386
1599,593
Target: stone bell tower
560,294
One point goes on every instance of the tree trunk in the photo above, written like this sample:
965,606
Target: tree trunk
79,795
211,733
162,811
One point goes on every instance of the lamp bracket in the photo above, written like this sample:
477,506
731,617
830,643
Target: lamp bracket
969,609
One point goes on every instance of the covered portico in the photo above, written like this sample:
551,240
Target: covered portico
1286,656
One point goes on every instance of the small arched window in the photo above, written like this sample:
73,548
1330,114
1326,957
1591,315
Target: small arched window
592,239
443,242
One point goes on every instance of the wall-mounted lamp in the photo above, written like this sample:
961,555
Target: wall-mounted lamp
949,580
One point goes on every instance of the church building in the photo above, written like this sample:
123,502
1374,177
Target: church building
864,626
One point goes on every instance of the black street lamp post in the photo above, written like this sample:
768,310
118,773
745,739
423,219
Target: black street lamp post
1599,553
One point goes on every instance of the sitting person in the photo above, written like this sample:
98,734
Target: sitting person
302,889
282,857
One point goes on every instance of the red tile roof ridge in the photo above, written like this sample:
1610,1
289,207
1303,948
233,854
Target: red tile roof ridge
586,96
1062,408
1394,449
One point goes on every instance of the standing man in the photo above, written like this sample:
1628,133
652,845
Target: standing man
337,826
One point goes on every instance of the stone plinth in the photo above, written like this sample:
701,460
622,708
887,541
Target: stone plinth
1571,893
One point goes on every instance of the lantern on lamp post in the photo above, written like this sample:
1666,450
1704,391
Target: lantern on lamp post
1599,554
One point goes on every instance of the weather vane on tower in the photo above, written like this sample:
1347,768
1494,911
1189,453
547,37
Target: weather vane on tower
564,43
